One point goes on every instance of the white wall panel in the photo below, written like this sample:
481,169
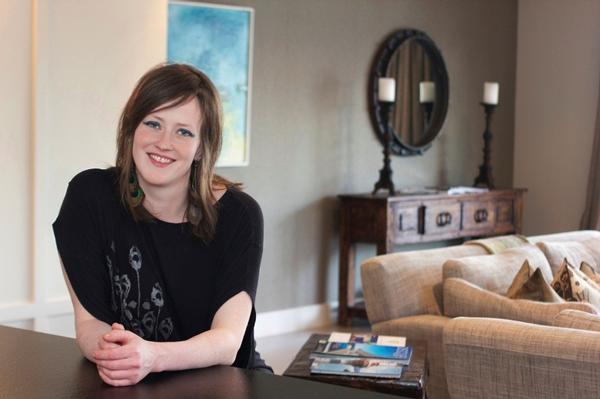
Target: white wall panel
15,142
91,53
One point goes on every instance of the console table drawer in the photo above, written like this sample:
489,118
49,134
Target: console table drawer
505,214
479,215
404,222
442,218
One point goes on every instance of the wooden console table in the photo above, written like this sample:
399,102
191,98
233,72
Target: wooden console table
405,219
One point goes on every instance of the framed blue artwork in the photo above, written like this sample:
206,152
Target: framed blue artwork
218,40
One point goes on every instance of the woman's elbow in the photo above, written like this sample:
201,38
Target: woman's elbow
231,346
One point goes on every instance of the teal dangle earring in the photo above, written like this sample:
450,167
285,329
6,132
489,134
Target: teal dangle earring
136,192
193,175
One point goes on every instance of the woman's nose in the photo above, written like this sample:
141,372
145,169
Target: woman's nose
164,143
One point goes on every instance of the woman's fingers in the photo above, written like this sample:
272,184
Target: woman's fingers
123,364
119,374
120,336
111,381
117,326
121,352
102,344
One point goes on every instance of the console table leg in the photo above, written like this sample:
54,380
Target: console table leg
346,281
384,247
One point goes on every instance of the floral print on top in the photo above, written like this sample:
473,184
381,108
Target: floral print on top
138,311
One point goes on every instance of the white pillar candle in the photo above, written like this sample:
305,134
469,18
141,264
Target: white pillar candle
427,92
490,93
387,89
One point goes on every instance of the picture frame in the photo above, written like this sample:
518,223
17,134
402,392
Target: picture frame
218,40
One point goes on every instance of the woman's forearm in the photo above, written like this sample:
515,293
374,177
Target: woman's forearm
89,332
213,347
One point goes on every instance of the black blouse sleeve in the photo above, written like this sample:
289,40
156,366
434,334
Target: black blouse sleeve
78,234
240,266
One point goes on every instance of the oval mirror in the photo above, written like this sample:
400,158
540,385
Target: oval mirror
413,60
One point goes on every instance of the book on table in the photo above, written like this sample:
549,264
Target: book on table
361,355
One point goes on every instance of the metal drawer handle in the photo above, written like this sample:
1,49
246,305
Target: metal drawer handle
443,219
481,215
400,222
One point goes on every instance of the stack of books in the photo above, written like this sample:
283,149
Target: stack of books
361,355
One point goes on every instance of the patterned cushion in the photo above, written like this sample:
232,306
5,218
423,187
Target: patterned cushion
532,286
575,252
573,285
496,272
589,271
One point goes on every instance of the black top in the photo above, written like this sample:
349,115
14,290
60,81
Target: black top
156,278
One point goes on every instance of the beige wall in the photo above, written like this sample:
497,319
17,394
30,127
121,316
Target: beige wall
558,68
311,136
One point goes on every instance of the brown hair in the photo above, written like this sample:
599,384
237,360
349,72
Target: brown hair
174,84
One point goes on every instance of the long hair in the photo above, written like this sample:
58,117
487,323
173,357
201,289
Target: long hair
174,84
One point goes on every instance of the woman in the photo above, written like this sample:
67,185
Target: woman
161,256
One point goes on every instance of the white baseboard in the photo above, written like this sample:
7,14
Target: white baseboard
293,319
267,323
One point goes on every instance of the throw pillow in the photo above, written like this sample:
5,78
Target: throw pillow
520,279
589,271
462,298
575,252
532,287
572,285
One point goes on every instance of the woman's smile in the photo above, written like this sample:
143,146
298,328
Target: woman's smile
159,160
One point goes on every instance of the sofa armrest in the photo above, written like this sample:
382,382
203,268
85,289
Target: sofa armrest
407,283
494,358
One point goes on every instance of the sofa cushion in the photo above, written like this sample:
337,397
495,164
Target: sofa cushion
575,252
496,272
573,285
532,285
593,245
571,318
462,298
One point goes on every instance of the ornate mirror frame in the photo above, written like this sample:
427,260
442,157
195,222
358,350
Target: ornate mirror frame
379,69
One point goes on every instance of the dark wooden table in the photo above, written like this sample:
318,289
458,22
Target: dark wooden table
35,365
411,384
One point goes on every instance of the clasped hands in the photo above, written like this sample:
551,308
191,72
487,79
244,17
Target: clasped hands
123,358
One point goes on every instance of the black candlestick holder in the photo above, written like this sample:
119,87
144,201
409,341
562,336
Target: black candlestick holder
427,108
485,178
385,174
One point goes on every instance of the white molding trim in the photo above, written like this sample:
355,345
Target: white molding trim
293,319
29,310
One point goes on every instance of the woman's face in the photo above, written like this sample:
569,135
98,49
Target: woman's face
165,144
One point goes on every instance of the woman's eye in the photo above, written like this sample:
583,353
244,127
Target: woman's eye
186,133
152,124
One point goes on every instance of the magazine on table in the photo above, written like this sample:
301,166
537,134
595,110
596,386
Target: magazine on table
359,350
377,368
367,338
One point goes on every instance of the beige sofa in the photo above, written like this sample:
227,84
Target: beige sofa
404,296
